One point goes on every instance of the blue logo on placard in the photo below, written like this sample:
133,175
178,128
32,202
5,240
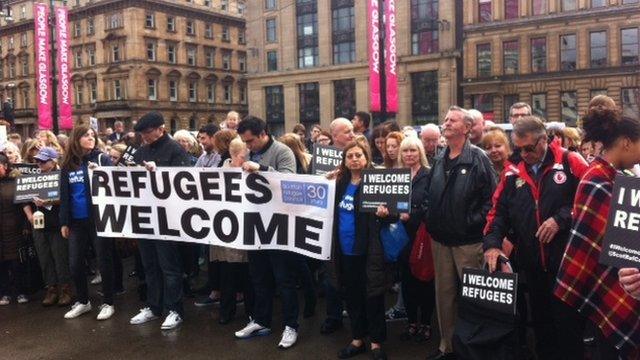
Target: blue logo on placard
403,206
301,193
52,194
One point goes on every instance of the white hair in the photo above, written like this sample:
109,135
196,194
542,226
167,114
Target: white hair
339,121
476,114
186,135
430,127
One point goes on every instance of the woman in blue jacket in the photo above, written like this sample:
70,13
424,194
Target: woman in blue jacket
77,221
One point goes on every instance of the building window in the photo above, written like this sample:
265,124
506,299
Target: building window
424,97
228,94
91,55
538,55
568,5
630,49
484,104
344,44
90,26
171,24
511,9
78,92
226,61
241,9
307,26
274,99
23,12
208,31
242,62
271,31
207,3
568,52
270,4
226,36
210,57
150,21
507,101
193,91
309,102
242,90
93,91
484,60
117,90
114,21
224,5
539,7
173,90
151,51
344,92
12,69
272,61
424,27
598,3
242,37
115,53
211,92
77,29
191,56
25,65
625,2
511,56
598,46
23,39
630,101
10,43
77,58
484,11
191,27
569,100
152,89
171,54
539,105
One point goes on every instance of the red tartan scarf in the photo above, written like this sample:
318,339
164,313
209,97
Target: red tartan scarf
582,282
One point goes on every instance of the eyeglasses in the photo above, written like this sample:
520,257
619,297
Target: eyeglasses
527,148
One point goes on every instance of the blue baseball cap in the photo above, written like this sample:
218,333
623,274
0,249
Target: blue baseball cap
46,154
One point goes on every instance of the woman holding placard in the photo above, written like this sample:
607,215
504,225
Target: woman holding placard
76,220
357,265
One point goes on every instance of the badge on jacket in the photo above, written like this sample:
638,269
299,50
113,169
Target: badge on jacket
519,182
560,177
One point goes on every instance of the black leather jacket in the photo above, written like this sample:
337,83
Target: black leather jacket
457,205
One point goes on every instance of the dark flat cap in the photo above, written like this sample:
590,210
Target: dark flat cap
150,120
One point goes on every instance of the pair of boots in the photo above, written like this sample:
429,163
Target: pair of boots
58,295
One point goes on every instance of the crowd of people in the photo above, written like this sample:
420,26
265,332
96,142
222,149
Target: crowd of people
534,195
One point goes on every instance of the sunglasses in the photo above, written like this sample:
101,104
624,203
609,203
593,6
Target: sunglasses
41,161
527,148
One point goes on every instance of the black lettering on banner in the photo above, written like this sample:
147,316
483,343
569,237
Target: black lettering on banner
109,216
192,189
258,183
303,233
138,218
217,226
187,223
253,223
166,185
100,180
230,186
163,223
120,184
208,186
137,184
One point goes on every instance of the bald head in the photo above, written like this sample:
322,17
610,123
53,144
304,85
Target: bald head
478,126
430,135
341,132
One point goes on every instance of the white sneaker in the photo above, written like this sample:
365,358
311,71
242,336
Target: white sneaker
172,321
289,337
22,299
145,315
5,300
106,311
77,309
96,279
252,329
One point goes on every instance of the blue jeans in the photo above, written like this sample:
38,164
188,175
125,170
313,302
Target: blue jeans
268,269
163,275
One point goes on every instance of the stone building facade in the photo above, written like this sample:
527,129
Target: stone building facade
186,59
552,54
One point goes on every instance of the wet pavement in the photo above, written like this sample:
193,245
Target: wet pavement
31,331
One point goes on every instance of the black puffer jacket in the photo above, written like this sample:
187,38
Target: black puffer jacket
457,206
367,242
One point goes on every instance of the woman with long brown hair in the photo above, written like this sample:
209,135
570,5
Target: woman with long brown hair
303,158
76,220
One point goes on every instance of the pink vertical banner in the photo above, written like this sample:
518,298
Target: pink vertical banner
64,77
390,56
43,66
373,35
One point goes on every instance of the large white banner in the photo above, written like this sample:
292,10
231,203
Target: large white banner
224,207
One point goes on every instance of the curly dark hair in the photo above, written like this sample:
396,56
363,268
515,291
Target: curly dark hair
606,125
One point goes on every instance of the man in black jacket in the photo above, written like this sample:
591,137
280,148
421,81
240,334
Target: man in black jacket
534,201
459,190
161,259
